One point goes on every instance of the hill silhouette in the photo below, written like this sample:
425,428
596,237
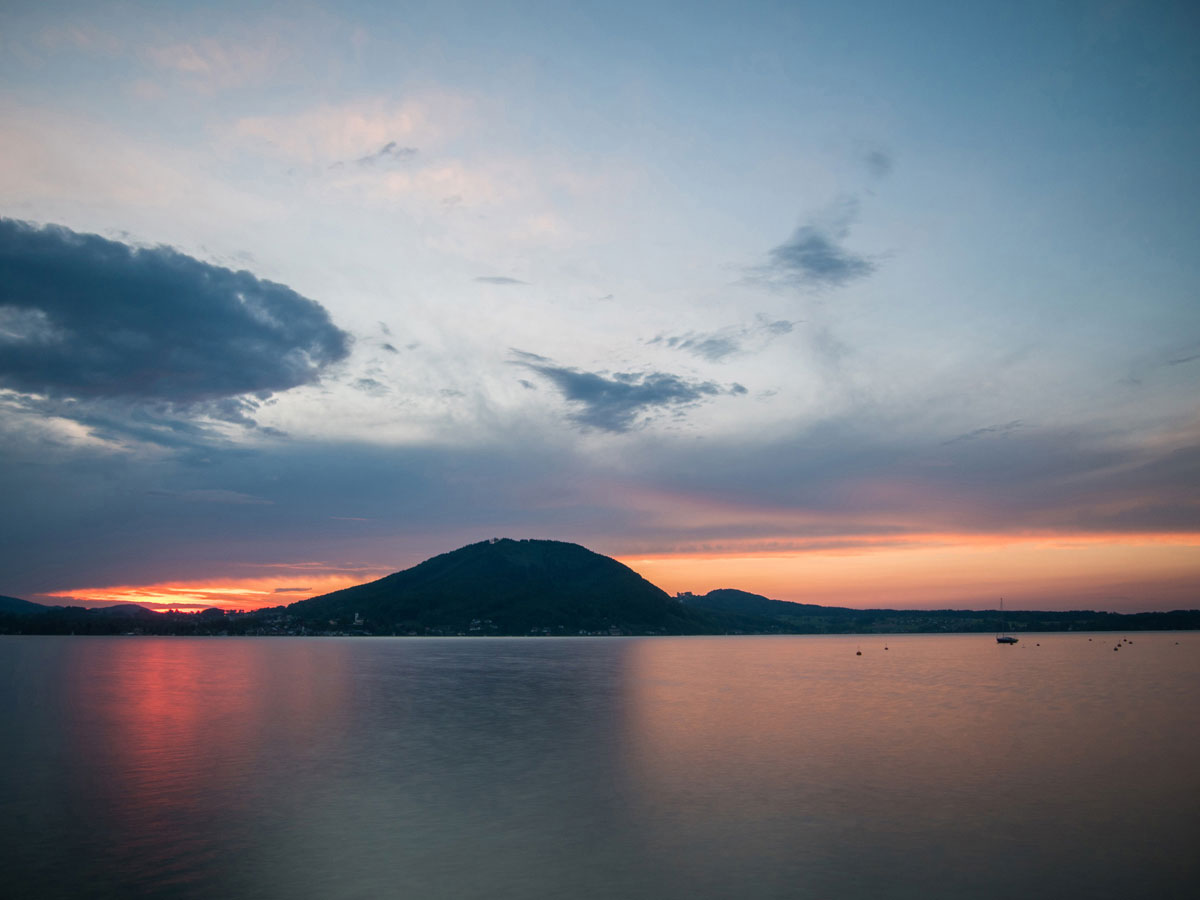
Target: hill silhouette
16,606
506,586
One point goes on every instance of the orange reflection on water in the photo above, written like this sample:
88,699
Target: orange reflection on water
803,750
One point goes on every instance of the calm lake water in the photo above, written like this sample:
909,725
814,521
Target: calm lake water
750,767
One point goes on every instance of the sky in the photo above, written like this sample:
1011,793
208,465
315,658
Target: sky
836,303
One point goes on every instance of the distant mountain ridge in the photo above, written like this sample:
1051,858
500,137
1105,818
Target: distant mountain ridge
731,600
22,607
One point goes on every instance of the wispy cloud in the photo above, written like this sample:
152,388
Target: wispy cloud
723,343
328,134
499,279
389,152
623,400
370,386
878,162
815,256
985,431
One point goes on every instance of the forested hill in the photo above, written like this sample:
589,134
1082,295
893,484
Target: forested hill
21,607
508,586
806,618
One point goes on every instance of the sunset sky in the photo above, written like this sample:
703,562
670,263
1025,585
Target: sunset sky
823,301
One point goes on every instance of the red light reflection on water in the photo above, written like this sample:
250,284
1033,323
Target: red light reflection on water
173,723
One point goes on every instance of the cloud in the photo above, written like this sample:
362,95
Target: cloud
327,134
716,346
499,279
710,347
370,386
389,152
621,402
814,257
843,475
878,162
983,432
838,480
87,320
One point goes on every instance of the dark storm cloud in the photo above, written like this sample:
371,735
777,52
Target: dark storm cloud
387,153
83,318
499,279
621,401
119,420
717,345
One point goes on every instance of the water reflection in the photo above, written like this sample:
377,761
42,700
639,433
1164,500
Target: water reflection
589,768
935,768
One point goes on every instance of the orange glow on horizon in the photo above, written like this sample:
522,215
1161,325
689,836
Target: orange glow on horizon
223,593
1121,572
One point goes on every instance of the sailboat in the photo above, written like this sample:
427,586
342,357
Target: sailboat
1003,638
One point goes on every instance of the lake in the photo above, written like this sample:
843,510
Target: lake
701,767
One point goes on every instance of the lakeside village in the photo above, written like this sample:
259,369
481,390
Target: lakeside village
285,624
132,620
